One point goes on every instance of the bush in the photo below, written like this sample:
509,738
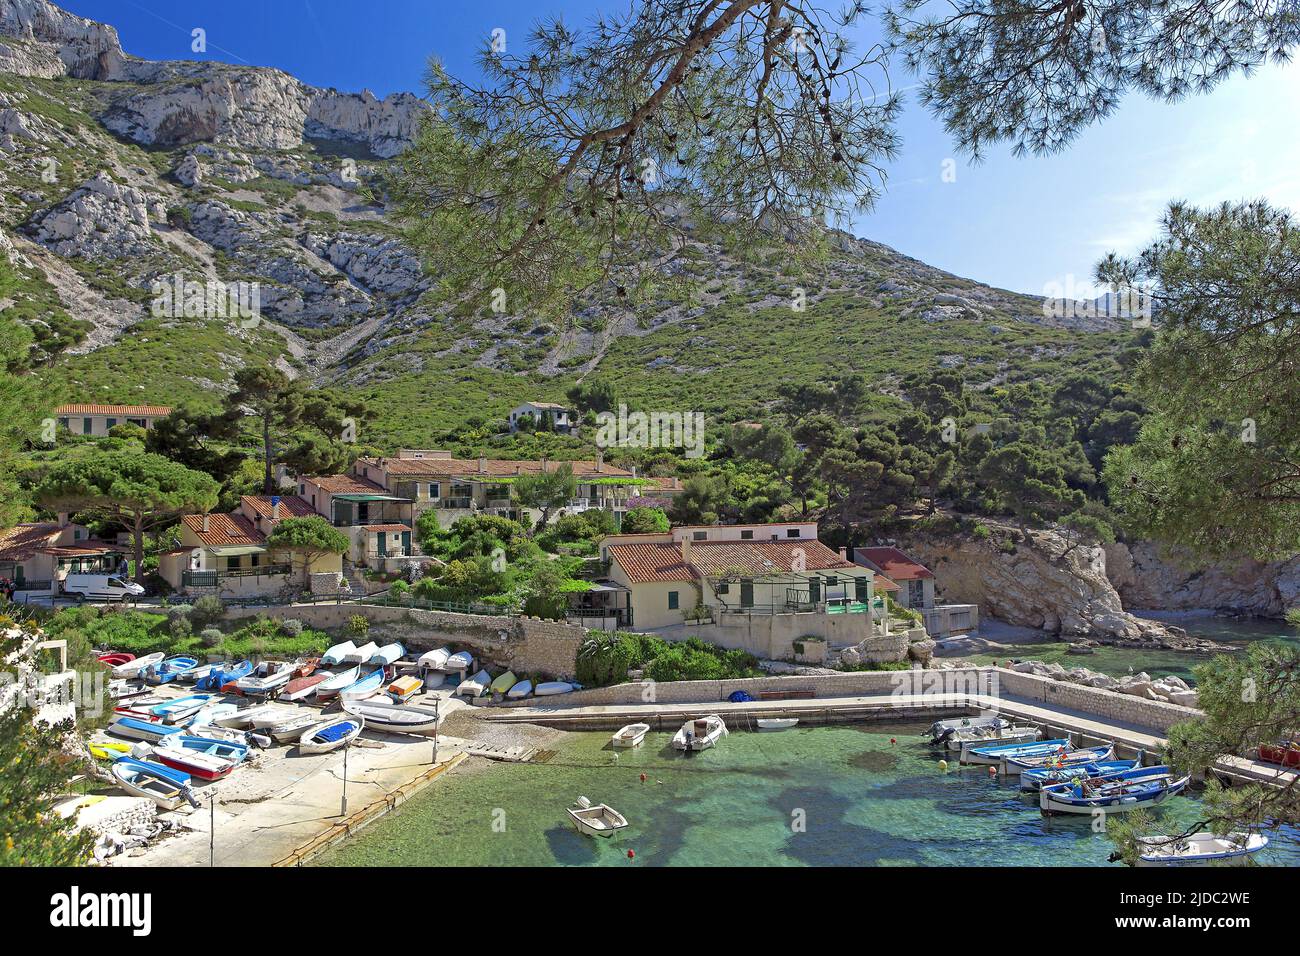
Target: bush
358,625
399,589
179,611
207,610
211,636
291,626
179,626
606,658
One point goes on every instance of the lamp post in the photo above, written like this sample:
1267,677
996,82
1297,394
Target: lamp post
436,721
212,831
346,747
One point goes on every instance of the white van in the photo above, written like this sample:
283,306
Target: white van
100,587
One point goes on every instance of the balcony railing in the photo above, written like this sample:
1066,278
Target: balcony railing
210,579
462,504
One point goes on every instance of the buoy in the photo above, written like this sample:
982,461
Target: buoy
993,771
643,778
631,854
943,765
893,740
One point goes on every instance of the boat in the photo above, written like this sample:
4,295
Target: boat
503,682
331,735
630,736
476,686
307,667
975,736
775,723
939,731
994,754
108,749
461,661
434,679
208,716
205,757
403,718
115,660
125,725
362,654
1127,791
434,660
700,734
197,673
520,690
293,727
336,682
300,688
388,654
337,653
367,686
265,679
223,674
1199,849
121,690
551,688
163,785
243,717
169,670
404,688
597,820
1284,752
134,668
1062,758
175,711
1096,770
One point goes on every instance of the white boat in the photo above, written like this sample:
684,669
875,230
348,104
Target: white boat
388,654
552,687
245,716
435,659
521,689
939,730
344,678
166,787
361,654
366,686
1200,849
1131,790
198,673
404,718
461,661
337,653
267,677
294,727
775,723
598,820
136,667
630,736
476,686
700,734
211,714
433,680
331,735
979,736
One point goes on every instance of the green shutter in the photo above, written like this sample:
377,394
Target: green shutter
814,590
672,600
861,590
746,593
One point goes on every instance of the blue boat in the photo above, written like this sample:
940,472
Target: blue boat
996,753
367,686
137,729
1126,791
226,749
164,786
169,670
1061,758
224,674
1096,770
174,711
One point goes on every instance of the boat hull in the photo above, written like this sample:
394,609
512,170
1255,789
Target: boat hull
630,736
1201,849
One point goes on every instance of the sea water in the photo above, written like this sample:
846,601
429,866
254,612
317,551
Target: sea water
845,795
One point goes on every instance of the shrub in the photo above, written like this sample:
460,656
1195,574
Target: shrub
211,636
358,625
207,610
179,611
179,626
291,626
399,589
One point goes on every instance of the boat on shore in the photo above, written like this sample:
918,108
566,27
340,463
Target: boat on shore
115,659
266,678
388,654
336,682
994,754
137,666
169,670
204,757
292,727
552,688
135,728
166,787
700,734
331,735
596,820
175,711
1285,753
245,717
301,688
1096,770
630,736
361,654
775,723
404,688
222,674
401,718
433,660
363,687
504,682
1127,791
461,662
475,686
335,655
1199,849
520,690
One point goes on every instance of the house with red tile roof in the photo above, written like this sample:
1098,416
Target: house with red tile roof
458,487
916,591
376,522
96,420
38,555
228,554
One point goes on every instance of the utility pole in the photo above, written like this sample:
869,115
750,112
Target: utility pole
346,748
212,831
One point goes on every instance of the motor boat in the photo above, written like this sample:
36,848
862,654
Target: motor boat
700,734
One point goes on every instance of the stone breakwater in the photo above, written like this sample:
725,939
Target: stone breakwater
1170,690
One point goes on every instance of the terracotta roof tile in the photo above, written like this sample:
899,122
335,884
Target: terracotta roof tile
138,411
492,468
23,540
291,506
892,562
394,528
346,485
650,561
224,530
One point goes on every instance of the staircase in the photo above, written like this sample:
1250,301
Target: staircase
356,580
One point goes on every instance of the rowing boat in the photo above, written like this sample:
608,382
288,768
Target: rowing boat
1128,791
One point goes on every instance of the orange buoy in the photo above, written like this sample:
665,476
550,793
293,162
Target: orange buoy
631,854
643,778
893,740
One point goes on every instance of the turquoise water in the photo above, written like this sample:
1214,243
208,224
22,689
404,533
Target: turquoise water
824,796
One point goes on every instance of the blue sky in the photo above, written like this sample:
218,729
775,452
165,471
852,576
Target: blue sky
1016,223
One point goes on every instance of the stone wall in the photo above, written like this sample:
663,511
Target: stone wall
526,645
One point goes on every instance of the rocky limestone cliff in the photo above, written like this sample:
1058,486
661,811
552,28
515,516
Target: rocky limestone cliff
46,41
1146,576
1046,583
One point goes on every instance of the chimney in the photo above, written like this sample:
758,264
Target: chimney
63,519
482,465
844,554
207,520
275,508
686,550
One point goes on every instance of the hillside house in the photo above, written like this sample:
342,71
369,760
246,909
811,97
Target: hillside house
543,416
377,523
228,555
38,555
457,487
96,420
916,584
